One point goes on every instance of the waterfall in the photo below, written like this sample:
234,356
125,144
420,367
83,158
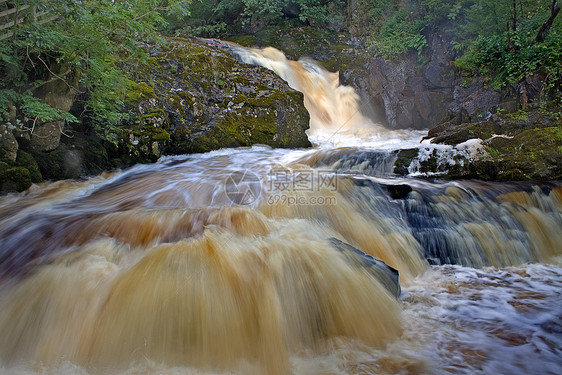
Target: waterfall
264,261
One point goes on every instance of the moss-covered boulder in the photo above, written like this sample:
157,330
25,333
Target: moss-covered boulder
27,161
192,97
13,178
19,174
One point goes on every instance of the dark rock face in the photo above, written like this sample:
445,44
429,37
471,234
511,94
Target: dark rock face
411,94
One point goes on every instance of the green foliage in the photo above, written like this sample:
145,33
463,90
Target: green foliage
518,115
510,56
31,107
396,27
490,37
89,40
398,34
220,18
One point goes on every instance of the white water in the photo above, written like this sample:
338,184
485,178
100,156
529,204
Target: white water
155,270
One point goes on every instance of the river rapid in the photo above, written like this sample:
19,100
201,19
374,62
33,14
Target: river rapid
237,261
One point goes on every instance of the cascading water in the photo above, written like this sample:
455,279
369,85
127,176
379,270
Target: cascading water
250,261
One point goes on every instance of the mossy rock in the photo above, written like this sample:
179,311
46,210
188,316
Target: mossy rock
27,161
138,91
14,178
403,160
201,98
18,175
534,154
464,132
520,146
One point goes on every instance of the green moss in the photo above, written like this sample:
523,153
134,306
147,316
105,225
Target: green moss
3,168
530,154
429,165
520,115
492,151
27,161
403,160
138,91
243,40
212,101
162,136
19,175
14,178
236,130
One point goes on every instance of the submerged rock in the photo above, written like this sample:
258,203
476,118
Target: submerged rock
385,274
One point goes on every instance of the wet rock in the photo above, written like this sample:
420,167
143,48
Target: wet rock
398,191
19,174
411,94
385,274
8,143
523,145
403,160
27,161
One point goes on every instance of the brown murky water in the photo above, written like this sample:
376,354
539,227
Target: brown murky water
156,270
225,263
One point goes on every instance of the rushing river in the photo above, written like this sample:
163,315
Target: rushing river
243,261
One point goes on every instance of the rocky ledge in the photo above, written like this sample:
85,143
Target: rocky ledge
523,145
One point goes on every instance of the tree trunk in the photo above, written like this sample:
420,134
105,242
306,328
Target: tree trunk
545,28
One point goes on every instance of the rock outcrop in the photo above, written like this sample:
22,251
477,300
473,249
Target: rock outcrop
189,97
193,97
524,145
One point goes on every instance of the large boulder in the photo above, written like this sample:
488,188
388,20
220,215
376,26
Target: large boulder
59,94
193,97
